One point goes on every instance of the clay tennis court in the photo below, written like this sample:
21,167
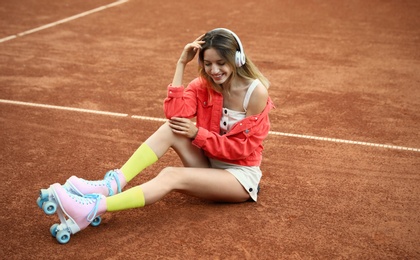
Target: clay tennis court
82,85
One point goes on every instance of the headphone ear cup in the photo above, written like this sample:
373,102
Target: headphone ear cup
243,59
239,59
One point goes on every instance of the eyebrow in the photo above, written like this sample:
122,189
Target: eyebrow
221,60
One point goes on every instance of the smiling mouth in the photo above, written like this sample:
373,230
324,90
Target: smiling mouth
217,77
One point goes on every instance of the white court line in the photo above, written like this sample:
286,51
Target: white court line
335,140
326,139
63,20
91,111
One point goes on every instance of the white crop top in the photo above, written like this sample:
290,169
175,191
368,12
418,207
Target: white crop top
230,117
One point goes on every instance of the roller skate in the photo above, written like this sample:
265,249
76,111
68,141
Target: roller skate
112,184
81,211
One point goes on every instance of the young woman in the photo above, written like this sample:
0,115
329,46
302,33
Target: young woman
221,153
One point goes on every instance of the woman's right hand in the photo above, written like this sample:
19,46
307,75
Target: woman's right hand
190,50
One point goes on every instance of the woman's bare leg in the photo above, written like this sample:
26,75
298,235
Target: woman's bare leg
205,183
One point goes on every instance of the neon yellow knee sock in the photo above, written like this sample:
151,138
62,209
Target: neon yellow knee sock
141,158
129,199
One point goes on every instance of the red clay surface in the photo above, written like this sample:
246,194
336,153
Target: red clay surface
348,70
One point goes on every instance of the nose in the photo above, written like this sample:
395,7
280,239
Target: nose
214,69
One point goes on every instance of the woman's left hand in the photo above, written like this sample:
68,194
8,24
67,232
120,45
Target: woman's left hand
183,126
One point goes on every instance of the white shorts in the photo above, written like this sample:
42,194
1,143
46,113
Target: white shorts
248,176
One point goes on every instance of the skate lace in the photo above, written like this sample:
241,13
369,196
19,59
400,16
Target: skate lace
87,200
94,212
109,176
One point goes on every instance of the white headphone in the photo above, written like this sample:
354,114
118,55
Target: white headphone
240,58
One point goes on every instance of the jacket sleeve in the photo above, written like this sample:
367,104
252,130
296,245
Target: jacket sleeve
244,139
180,102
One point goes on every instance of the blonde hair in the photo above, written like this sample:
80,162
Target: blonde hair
226,45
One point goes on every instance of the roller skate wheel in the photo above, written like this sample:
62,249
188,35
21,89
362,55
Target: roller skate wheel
54,230
49,207
63,236
96,222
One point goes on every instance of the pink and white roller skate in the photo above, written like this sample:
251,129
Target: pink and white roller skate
81,211
112,184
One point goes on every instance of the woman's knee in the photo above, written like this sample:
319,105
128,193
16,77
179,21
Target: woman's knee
170,176
165,134
166,172
164,130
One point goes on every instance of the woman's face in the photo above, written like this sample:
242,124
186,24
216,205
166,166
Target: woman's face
216,66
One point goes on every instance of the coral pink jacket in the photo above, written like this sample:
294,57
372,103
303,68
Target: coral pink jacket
242,145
